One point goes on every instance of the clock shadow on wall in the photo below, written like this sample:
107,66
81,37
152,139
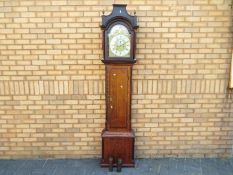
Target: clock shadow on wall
119,43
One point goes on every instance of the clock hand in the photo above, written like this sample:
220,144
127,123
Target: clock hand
123,43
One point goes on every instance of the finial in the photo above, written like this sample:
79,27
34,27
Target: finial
134,13
231,5
103,11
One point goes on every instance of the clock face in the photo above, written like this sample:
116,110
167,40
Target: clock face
119,41
120,45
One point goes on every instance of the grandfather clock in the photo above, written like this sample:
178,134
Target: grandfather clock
119,43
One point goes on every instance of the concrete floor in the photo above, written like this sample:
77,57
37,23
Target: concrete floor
165,166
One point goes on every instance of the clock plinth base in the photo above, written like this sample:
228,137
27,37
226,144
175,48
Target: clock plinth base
118,145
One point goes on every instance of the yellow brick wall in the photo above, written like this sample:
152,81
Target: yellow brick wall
52,80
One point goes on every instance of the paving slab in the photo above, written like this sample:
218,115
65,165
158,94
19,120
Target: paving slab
159,166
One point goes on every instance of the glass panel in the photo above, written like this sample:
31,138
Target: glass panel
119,41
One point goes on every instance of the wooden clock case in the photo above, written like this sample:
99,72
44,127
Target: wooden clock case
118,136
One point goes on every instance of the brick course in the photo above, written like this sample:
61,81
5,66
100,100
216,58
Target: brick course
52,78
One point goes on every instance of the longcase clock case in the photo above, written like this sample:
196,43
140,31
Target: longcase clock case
118,136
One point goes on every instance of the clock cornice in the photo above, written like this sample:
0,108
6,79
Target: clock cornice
119,12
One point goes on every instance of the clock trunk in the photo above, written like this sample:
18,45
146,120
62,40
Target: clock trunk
118,88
